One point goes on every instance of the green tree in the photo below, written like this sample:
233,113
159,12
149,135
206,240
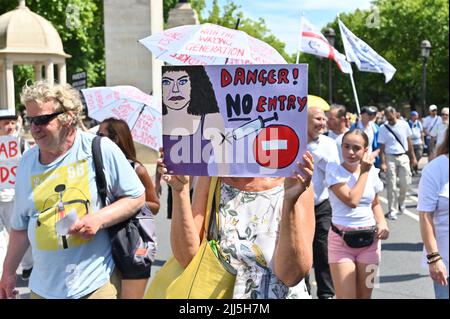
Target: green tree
80,26
403,25
228,17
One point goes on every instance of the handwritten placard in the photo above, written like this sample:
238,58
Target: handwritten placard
10,155
234,120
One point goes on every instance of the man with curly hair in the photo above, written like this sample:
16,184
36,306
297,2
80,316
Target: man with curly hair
58,210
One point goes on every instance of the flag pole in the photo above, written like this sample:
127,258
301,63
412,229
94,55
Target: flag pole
354,92
300,38
358,110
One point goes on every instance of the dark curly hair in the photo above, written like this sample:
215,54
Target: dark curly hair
203,99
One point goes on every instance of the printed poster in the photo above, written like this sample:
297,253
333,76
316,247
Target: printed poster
234,120
57,193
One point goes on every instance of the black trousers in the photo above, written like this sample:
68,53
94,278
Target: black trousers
322,272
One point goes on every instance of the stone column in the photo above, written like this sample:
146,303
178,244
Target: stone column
38,71
2,85
127,61
62,73
182,14
10,85
49,75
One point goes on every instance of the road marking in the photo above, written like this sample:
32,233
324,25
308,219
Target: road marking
405,211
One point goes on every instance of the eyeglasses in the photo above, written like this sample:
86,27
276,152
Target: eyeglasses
42,119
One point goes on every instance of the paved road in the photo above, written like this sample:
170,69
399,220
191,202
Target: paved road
400,276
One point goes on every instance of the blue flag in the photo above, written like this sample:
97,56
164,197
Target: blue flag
365,58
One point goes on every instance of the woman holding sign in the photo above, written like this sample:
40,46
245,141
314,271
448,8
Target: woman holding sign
266,228
358,223
193,126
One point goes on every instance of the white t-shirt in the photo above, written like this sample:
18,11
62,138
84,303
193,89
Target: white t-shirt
324,151
442,129
433,198
416,129
331,134
338,140
343,214
431,124
369,132
391,145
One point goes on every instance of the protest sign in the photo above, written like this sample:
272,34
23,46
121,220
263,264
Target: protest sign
9,159
234,120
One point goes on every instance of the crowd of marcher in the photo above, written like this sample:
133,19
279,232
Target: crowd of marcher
272,231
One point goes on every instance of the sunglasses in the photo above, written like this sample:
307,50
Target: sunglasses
42,119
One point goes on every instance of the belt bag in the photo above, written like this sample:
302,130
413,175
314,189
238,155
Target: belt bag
357,238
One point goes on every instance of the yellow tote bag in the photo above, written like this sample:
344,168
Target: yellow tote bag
206,277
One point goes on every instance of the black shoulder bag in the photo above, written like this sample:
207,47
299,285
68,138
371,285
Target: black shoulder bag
133,241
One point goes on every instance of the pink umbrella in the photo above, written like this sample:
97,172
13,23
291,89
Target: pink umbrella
210,44
141,111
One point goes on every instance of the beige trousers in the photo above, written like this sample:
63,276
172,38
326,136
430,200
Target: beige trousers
398,170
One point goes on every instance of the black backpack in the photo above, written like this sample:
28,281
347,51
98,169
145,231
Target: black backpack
133,241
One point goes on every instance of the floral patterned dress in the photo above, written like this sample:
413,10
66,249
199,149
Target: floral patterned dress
249,223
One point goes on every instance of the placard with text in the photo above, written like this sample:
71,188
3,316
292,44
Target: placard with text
234,120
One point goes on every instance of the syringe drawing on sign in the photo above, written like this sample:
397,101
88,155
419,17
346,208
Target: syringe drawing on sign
252,126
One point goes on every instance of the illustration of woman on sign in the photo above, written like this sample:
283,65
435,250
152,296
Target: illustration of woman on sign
193,128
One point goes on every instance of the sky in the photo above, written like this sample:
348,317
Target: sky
282,17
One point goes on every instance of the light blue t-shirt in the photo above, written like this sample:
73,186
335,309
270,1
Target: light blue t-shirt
68,266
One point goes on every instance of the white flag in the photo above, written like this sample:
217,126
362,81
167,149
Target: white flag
314,42
365,58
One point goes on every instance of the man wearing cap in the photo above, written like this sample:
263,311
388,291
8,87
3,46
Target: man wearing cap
395,148
416,137
430,127
8,121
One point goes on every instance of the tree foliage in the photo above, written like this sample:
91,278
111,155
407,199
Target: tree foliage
228,16
396,36
402,26
80,26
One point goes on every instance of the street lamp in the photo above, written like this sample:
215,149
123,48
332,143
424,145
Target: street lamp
319,69
424,53
330,35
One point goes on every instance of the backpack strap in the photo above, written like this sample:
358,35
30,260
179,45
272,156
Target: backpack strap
100,179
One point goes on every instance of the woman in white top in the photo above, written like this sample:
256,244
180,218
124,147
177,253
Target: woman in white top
354,186
434,216
266,228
